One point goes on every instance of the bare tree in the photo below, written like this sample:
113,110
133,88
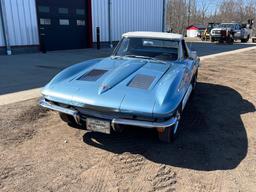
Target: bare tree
202,14
182,13
236,10
177,14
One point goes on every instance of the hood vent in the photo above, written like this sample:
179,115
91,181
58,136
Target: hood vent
141,81
93,75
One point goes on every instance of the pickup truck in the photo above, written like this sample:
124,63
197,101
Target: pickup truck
230,32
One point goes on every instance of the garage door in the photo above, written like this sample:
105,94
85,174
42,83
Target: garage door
62,24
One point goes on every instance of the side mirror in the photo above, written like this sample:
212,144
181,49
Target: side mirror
193,55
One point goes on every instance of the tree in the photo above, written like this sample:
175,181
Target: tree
182,13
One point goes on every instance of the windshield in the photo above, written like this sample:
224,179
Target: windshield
227,25
211,26
148,48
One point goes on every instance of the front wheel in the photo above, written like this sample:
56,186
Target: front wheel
69,120
230,40
245,40
169,134
194,80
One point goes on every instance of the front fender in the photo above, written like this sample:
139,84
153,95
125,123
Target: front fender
71,71
170,92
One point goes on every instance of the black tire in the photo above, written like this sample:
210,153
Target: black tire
194,80
245,40
230,40
119,128
170,133
68,119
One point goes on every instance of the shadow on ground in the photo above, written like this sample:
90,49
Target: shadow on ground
213,135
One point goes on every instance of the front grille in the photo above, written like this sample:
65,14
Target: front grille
110,115
216,32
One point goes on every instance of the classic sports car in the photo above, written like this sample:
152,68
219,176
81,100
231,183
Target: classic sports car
146,82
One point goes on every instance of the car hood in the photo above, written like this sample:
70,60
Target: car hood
119,84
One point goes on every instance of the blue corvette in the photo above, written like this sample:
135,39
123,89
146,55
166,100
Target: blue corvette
146,82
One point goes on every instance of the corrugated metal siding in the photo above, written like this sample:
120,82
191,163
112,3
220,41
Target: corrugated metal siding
136,15
21,22
100,18
127,15
1,33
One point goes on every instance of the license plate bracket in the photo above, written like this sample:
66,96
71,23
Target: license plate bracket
97,125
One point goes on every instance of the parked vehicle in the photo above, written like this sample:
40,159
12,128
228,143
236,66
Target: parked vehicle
206,35
254,39
230,32
146,82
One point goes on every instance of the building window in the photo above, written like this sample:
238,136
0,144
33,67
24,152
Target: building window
80,11
64,22
63,10
80,22
43,9
45,21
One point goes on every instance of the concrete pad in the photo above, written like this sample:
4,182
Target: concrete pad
19,96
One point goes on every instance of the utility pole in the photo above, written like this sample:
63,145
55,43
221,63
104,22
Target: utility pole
189,12
164,16
110,23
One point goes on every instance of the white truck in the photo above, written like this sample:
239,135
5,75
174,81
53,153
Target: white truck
230,32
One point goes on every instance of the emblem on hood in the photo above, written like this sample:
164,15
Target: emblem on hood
141,81
92,75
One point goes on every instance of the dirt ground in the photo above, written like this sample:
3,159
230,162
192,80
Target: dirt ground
216,150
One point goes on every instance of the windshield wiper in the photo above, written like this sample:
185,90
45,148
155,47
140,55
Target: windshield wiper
146,57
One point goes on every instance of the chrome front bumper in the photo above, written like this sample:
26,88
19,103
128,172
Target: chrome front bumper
130,122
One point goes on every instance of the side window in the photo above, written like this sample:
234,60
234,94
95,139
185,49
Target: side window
80,22
63,10
64,22
45,21
80,11
43,9
184,50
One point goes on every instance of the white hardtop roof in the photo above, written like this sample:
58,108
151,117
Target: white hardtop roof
158,35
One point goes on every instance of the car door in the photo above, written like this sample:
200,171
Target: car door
237,30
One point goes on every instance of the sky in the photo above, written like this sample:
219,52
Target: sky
212,4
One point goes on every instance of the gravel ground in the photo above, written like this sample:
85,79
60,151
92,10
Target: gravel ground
214,152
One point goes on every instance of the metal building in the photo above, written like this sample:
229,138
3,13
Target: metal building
65,24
